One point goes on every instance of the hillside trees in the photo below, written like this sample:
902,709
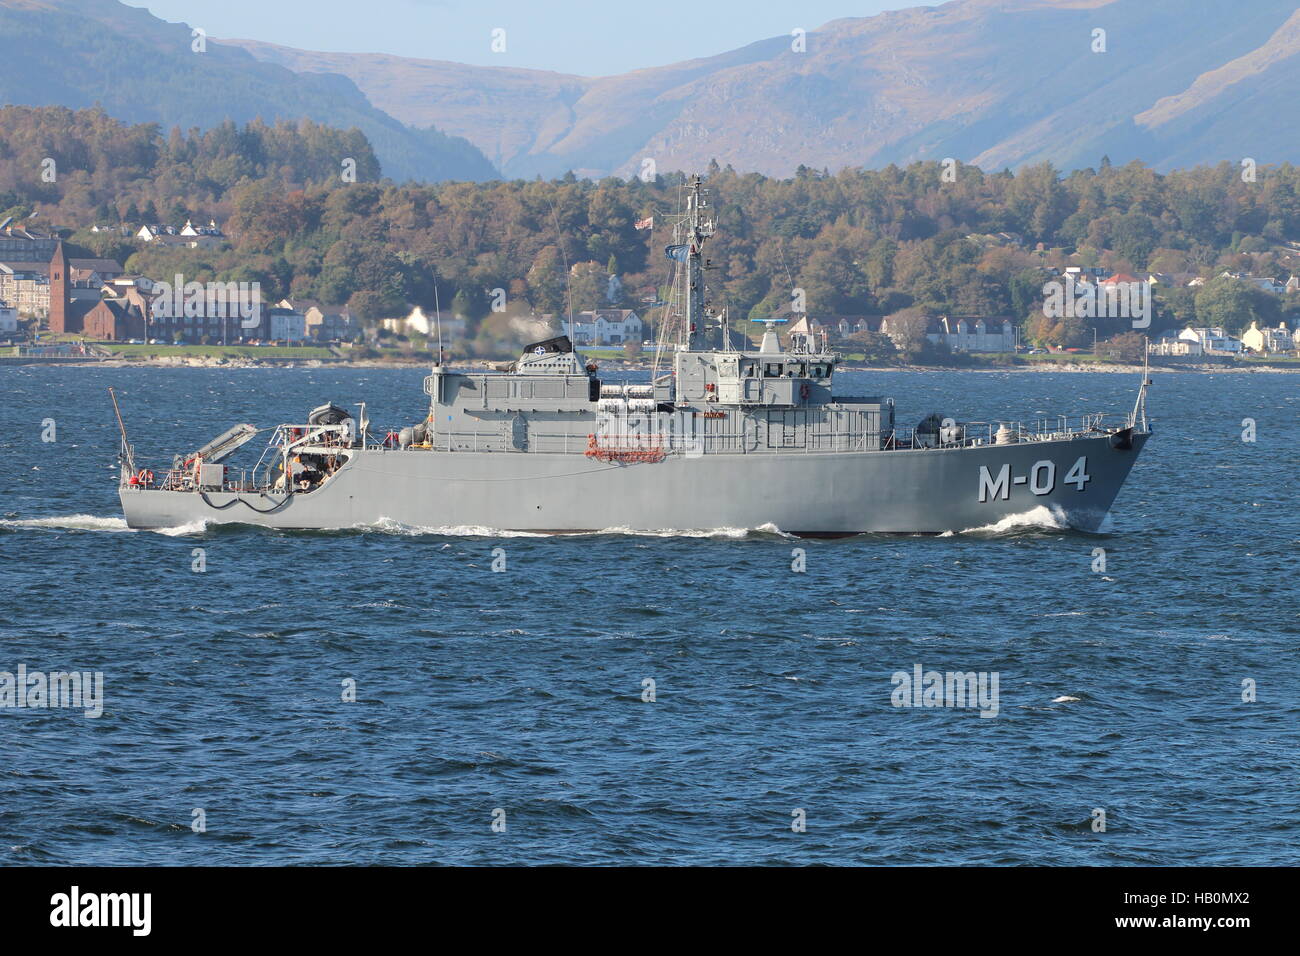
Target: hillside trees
858,241
1232,304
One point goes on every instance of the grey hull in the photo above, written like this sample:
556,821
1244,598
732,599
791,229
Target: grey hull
925,491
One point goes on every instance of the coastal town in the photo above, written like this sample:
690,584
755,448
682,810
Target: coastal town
58,301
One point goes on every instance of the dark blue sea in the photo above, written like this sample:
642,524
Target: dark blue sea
517,698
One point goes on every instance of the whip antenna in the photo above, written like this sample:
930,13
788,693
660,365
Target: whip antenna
125,455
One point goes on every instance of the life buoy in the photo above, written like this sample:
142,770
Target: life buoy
144,477
805,390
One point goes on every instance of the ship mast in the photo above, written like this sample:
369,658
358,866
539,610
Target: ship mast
690,234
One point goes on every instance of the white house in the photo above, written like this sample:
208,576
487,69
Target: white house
846,325
1280,339
1211,340
1176,346
1268,284
286,325
1265,283
8,320
603,327
194,237
119,286
968,334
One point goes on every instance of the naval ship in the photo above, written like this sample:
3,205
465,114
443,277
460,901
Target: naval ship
720,437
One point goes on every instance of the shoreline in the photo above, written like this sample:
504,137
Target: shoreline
194,362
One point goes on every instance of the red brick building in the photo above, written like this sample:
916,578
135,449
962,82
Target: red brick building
59,300
105,320
109,320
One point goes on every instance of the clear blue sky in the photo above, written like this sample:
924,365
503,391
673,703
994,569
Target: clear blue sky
588,37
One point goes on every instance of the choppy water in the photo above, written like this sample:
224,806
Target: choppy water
523,690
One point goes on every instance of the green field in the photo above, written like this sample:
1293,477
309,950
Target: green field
1006,359
1279,360
614,354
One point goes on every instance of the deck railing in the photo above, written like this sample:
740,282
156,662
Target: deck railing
289,439
968,434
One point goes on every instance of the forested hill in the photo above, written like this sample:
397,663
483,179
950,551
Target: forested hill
79,53
859,242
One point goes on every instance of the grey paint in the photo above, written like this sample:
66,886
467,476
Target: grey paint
745,439
930,490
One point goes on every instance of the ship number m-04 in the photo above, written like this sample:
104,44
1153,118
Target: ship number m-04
1041,479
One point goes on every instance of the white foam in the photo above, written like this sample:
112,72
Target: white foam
731,533
190,527
68,523
389,526
1041,518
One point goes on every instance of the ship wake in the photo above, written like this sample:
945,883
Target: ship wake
67,523
83,522
388,526
1040,519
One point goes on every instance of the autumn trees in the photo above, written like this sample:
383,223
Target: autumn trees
301,220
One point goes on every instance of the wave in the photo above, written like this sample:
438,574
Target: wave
85,522
1041,518
389,526
97,523
1037,519
68,523
762,530
197,526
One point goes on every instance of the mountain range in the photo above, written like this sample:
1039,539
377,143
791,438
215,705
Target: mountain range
996,83
78,53
991,82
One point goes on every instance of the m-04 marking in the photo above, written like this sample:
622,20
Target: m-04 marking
1041,479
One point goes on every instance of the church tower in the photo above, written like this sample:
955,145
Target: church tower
58,291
